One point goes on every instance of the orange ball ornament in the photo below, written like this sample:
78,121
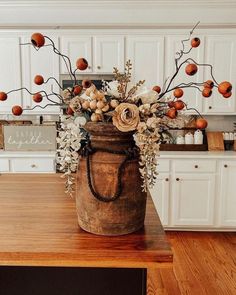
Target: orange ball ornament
178,92
191,69
227,95
77,89
38,80
37,97
171,104
81,64
195,42
3,96
157,88
208,84
201,123
38,40
224,87
206,92
86,83
172,113
179,105
17,110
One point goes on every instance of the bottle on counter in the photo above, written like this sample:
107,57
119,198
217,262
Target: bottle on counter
188,138
198,137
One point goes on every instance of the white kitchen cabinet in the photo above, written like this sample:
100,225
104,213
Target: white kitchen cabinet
40,62
10,73
103,52
27,162
227,198
75,47
108,53
192,96
147,56
160,192
193,199
221,53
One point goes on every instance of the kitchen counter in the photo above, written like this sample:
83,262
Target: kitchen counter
38,229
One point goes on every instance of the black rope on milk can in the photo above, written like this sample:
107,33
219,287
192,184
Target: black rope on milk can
130,154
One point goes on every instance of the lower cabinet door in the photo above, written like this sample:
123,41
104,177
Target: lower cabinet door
160,197
227,194
193,199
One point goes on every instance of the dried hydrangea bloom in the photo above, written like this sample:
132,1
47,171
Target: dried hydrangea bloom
126,117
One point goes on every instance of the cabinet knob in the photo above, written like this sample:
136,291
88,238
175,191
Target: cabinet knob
28,107
225,165
89,67
177,179
33,166
196,166
167,179
210,107
99,67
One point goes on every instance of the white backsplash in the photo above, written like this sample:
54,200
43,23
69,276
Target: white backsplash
220,123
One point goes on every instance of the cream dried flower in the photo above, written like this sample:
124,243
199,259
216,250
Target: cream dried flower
75,104
126,117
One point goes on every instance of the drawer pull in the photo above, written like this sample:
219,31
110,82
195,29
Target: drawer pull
167,179
210,107
225,165
177,179
196,166
99,67
33,166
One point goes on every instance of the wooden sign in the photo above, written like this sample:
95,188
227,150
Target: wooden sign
29,138
215,141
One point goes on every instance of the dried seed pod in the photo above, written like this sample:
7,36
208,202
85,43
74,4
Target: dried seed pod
172,113
227,95
38,79
100,95
81,64
208,84
178,92
38,40
201,123
195,42
3,96
86,105
114,103
98,111
17,110
77,89
225,87
100,104
86,83
179,105
106,108
93,105
206,92
93,95
94,117
157,88
37,97
191,69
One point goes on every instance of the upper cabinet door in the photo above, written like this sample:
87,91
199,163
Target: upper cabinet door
221,53
75,47
10,73
40,62
147,56
192,96
108,53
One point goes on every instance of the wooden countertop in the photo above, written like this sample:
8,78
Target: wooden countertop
38,227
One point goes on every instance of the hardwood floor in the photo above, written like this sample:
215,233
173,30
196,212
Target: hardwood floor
204,263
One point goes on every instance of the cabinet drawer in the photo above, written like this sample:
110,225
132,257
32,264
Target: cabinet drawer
4,165
33,165
194,165
163,165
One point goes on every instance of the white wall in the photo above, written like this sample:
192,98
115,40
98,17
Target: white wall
151,13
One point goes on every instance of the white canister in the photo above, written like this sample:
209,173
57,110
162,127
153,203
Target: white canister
198,137
188,138
180,139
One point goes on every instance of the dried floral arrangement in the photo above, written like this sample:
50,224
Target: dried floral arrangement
145,112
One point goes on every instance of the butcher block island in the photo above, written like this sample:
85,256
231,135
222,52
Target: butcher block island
44,251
